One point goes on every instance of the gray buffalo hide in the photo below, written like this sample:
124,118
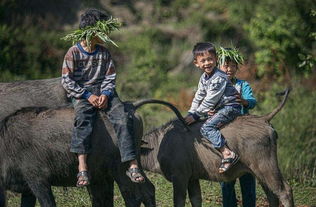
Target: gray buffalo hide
184,157
34,145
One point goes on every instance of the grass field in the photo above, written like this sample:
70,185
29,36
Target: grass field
73,197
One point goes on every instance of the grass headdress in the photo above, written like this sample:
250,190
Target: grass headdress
230,54
101,29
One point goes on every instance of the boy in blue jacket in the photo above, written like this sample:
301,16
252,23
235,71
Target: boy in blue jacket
229,59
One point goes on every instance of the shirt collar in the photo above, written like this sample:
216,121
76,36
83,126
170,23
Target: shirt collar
207,77
86,52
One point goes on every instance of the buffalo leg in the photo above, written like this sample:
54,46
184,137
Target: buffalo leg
28,200
271,177
101,195
286,198
180,186
194,190
128,193
272,198
147,192
43,193
134,193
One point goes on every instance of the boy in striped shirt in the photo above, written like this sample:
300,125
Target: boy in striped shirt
88,76
215,93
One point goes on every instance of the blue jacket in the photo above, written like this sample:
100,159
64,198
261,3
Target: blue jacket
245,90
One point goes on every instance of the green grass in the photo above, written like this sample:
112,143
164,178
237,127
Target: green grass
74,197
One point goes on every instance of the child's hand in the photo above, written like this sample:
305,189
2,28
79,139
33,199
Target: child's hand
241,100
103,102
211,112
93,99
189,119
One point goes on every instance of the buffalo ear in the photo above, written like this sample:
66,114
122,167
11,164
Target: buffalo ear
145,150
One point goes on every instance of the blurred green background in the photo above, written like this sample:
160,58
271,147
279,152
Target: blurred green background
276,37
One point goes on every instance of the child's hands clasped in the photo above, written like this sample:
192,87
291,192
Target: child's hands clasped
100,102
94,100
103,102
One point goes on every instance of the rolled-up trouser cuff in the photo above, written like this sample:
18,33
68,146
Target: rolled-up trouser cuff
80,151
128,158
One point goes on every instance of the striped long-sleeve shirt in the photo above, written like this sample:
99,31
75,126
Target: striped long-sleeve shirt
85,73
214,91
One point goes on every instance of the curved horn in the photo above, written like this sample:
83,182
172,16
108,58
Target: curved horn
140,103
269,116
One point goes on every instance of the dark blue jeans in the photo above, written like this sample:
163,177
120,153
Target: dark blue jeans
211,128
248,191
85,115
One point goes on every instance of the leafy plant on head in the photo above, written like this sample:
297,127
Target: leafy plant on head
231,54
101,29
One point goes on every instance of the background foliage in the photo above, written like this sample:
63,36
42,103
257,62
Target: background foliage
153,60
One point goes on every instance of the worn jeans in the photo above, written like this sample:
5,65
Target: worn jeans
85,115
211,128
248,191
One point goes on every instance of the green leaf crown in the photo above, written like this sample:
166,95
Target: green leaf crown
101,29
231,54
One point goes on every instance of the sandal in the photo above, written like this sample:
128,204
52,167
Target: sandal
232,160
83,176
135,175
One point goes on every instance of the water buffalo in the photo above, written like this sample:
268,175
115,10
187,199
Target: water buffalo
35,155
31,161
31,93
184,157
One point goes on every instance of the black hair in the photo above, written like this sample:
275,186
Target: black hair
201,47
91,16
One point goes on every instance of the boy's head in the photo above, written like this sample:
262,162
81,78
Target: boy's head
204,56
228,59
94,28
91,16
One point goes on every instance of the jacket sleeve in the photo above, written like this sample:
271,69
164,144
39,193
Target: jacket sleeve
198,97
68,69
108,84
248,95
214,93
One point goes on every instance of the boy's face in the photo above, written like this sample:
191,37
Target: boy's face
206,62
97,40
230,68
